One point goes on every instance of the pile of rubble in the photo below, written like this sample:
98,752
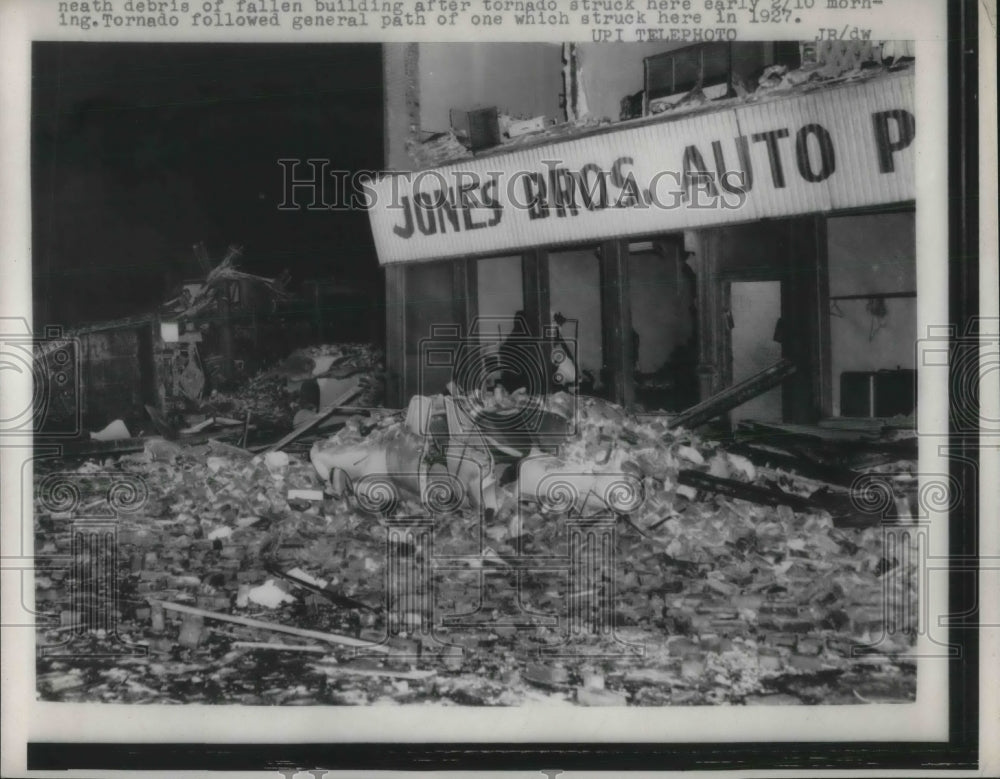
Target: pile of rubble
265,398
269,578
274,397
831,62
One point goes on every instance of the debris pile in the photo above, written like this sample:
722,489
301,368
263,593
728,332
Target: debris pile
265,398
834,62
338,361
261,579
212,295
274,397
437,149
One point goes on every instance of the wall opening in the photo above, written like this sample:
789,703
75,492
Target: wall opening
873,312
662,290
575,300
755,335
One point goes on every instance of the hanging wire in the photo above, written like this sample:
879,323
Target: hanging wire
876,307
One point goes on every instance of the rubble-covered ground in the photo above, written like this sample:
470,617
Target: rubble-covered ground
691,599
272,397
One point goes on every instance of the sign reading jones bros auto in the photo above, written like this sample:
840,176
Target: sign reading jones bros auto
848,146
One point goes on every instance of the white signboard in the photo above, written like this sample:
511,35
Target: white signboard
845,146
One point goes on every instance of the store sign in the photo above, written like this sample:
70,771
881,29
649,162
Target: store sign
849,146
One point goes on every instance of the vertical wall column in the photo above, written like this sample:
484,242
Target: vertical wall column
535,273
616,321
466,292
465,296
395,335
805,315
710,316
400,64
823,371
402,121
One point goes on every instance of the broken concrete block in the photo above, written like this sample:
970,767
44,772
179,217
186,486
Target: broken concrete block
192,627
453,657
692,667
159,450
546,675
805,663
681,646
269,595
156,618
809,646
769,661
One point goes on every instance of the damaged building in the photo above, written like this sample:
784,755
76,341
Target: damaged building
707,234
639,427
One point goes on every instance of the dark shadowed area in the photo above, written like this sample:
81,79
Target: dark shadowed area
140,151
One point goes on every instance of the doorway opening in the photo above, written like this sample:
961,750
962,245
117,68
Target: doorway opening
753,314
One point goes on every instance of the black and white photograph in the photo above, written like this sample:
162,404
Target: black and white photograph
578,379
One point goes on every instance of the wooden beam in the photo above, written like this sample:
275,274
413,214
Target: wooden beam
731,488
733,396
276,647
616,321
333,638
316,420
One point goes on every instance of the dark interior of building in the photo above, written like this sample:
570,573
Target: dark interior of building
141,151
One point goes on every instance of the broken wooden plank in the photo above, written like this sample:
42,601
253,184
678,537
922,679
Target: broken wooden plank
329,411
385,412
246,430
199,427
741,490
838,505
733,396
768,458
872,425
328,592
826,434
311,495
847,448
210,422
278,647
333,638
